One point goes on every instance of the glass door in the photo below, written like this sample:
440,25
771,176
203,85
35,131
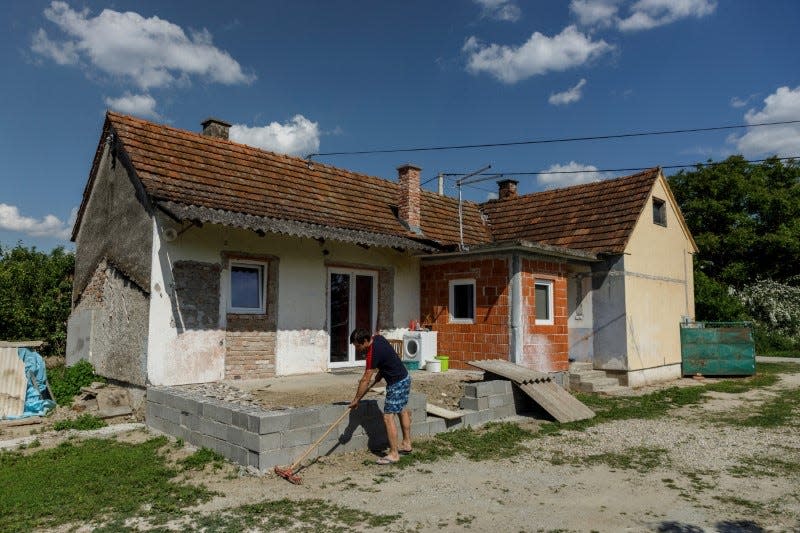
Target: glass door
352,303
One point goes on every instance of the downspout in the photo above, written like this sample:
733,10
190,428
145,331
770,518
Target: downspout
516,331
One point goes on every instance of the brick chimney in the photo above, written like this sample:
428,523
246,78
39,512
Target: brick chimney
408,202
508,189
214,127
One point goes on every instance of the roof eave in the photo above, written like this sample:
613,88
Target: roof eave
186,212
558,252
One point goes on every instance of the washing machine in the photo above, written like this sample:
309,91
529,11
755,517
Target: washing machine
419,346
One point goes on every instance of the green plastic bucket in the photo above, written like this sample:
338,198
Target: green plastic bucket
445,360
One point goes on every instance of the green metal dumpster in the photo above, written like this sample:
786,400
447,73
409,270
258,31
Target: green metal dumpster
718,349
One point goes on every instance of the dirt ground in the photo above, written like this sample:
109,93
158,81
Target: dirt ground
444,389
708,476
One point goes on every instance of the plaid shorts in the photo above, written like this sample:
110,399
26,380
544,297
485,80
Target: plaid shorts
397,396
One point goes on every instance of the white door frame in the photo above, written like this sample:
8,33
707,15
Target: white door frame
352,272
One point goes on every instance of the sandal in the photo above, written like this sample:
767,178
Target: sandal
385,461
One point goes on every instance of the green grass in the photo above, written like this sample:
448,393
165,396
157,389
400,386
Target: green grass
492,441
84,481
641,459
659,403
202,457
765,466
66,382
85,421
275,515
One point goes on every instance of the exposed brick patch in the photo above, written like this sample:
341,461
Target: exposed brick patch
546,347
487,338
196,294
250,339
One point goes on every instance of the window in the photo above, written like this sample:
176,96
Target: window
543,301
659,212
462,301
247,287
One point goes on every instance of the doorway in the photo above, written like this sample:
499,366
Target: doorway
352,303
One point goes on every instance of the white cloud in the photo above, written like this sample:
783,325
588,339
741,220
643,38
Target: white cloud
573,94
142,105
783,140
150,52
506,10
49,226
595,12
300,136
570,174
540,54
647,14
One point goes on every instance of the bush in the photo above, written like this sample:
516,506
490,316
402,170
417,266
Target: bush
66,382
716,302
775,305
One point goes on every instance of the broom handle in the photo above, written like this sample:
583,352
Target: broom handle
300,460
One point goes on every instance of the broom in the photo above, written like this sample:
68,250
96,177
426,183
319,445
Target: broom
289,472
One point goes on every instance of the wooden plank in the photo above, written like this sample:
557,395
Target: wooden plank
13,383
441,412
516,373
563,406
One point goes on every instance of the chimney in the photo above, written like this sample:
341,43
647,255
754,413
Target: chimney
408,202
508,189
214,127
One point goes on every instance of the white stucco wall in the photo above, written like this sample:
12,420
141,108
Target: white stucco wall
302,344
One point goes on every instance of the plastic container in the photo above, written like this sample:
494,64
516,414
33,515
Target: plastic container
434,365
445,362
411,365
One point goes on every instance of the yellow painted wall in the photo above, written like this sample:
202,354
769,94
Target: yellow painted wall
659,285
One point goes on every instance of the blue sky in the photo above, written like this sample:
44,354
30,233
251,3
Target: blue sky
314,76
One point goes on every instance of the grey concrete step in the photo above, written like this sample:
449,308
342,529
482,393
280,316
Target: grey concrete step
580,366
587,375
598,385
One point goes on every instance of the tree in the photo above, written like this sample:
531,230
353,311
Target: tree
745,218
36,296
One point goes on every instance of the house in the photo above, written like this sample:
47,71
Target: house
200,259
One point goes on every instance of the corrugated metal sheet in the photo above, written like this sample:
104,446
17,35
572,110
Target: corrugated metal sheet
563,406
718,349
20,344
13,383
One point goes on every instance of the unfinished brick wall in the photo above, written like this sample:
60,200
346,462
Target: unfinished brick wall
546,347
250,339
487,337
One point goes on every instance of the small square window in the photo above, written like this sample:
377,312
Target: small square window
462,301
247,287
543,302
659,212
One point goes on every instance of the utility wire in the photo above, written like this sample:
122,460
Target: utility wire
631,169
558,140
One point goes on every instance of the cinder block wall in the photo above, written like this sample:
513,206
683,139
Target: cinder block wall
251,436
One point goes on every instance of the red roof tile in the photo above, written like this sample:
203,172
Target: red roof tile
595,217
194,169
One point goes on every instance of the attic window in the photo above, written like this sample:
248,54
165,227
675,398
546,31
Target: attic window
659,212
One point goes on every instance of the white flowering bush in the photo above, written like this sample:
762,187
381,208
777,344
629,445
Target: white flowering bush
774,305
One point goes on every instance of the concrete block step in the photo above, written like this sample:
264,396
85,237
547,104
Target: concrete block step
581,366
587,375
598,385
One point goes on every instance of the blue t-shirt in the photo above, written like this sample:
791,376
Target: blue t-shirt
382,356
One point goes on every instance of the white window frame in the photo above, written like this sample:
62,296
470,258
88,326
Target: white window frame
262,285
451,302
551,320
352,272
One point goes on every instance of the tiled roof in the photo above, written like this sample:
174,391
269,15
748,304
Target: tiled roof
229,183
193,169
595,217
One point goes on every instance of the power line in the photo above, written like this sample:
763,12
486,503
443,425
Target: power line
630,169
557,140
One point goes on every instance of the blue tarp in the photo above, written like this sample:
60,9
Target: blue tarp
35,371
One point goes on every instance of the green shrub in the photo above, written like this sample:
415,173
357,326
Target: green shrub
85,421
66,382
